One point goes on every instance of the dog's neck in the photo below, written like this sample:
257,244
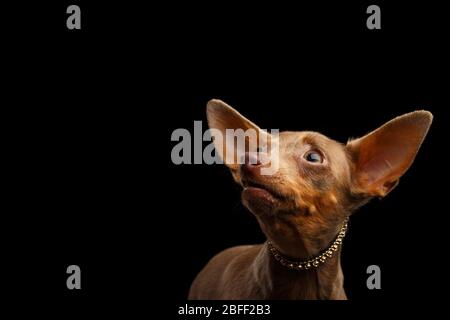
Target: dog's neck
302,269
311,262
275,281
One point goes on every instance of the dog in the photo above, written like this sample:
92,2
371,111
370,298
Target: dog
304,206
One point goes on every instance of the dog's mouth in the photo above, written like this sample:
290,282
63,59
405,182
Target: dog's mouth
258,190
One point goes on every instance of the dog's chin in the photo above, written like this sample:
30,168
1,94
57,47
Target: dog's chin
260,194
260,200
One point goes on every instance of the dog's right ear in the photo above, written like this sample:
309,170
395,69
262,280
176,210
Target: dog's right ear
221,117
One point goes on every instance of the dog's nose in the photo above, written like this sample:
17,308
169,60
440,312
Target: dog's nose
253,161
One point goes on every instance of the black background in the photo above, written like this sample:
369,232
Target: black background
89,115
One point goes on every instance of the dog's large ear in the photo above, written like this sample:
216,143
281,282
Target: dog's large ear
383,156
221,117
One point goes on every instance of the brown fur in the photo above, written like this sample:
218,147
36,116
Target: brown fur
301,207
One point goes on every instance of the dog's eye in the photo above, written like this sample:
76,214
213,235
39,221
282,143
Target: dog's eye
313,156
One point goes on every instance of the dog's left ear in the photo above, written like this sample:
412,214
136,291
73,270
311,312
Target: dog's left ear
384,155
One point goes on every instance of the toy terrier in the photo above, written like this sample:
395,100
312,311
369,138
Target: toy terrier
303,207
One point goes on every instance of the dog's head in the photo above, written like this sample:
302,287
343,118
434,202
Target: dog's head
315,182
